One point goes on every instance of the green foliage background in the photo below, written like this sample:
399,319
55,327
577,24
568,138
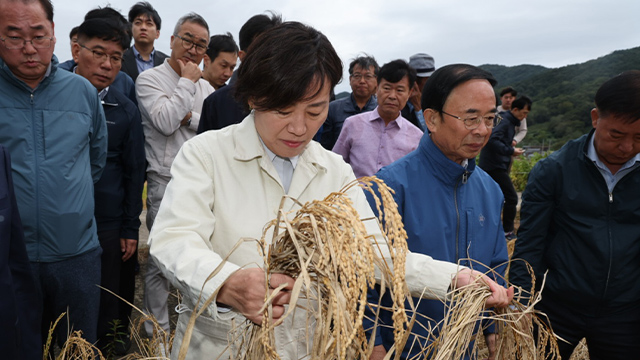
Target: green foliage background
521,167
562,97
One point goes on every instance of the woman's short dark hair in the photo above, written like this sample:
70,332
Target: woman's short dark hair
283,64
442,82
619,97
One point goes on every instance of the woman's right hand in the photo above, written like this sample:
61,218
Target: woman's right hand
244,291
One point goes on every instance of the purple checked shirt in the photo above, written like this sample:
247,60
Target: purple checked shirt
368,145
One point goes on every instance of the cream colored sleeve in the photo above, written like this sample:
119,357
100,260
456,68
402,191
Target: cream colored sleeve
180,235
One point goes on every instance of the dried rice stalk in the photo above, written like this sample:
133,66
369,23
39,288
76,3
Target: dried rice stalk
74,348
326,248
515,326
581,351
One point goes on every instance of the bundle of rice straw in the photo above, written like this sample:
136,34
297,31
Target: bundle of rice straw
326,248
522,332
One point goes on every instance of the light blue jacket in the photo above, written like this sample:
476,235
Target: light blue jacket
57,137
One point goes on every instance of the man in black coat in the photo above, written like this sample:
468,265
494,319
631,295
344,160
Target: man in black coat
496,157
20,313
145,26
118,194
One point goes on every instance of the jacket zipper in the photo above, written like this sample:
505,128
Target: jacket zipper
37,176
610,239
465,177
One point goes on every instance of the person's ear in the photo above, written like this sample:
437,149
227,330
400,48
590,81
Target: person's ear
432,119
595,116
75,51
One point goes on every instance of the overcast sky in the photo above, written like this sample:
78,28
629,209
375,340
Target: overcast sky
551,33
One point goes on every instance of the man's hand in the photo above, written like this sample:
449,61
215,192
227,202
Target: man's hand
128,248
378,353
500,297
415,97
518,151
189,70
244,291
185,120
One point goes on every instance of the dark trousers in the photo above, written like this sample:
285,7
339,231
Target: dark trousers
510,197
127,288
70,286
612,334
110,279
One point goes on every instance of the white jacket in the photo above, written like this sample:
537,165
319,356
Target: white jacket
224,188
164,99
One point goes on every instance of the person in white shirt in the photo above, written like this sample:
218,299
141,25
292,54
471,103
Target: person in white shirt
170,98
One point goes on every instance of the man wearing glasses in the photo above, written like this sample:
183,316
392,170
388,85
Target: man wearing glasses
450,208
363,73
170,98
98,55
53,124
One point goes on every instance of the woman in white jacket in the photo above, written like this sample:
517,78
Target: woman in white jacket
227,184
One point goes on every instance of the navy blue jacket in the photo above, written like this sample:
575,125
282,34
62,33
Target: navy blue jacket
339,111
496,155
220,109
587,238
450,213
118,194
20,304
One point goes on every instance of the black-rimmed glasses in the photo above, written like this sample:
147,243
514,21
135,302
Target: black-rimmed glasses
188,44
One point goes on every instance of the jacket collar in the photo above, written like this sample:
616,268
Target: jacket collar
354,106
248,147
375,115
442,167
508,116
586,139
8,75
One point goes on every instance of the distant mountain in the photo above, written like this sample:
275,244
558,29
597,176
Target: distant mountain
507,75
562,97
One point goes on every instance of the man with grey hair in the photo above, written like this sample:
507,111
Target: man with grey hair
170,98
363,73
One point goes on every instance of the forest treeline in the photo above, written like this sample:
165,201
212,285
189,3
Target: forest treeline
562,97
